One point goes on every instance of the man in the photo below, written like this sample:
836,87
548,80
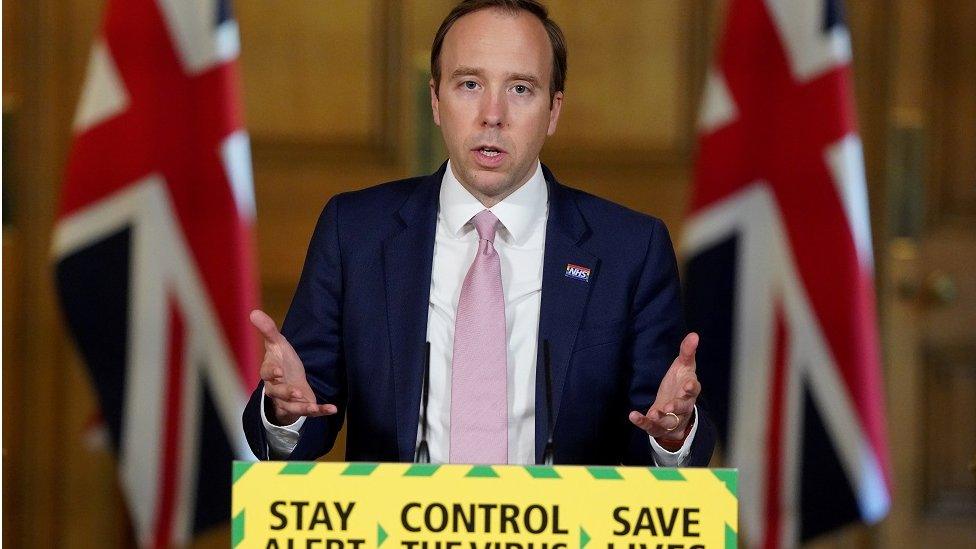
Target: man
532,295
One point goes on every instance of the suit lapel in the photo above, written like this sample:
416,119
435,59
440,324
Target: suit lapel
407,259
564,299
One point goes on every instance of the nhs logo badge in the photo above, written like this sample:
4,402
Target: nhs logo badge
578,272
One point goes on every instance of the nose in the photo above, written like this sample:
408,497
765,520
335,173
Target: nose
493,110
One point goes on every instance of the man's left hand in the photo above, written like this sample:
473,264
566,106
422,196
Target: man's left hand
677,394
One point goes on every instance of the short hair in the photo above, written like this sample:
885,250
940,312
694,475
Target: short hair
558,80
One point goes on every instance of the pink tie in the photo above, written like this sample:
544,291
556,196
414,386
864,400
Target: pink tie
479,373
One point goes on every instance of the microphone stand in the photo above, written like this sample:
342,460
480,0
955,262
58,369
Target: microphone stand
549,451
422,453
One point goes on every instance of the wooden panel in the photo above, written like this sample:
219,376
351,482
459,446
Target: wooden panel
903,381
74,48
947,299
12,51
628,76
422,18
910,57
947,291
949,487
313,71
870,23
661,192
421,138
954,110
38,155
291,188
13,378
931,296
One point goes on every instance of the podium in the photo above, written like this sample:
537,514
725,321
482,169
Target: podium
328,505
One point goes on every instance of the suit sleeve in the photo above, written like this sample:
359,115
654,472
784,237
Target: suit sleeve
658,327
313,326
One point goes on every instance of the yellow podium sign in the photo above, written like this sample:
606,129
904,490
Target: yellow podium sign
306,505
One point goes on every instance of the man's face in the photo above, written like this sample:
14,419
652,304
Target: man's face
493,104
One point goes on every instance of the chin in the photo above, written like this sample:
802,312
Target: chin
491,183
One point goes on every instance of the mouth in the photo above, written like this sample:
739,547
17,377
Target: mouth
489,150
489,156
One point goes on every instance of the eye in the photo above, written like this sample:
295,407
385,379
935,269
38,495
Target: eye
521,89
470,85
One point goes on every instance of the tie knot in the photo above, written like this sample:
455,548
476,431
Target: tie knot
485,223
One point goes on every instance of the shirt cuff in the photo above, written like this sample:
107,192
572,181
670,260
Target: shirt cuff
281,439
665,458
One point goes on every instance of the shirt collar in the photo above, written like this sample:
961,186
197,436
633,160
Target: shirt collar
517,212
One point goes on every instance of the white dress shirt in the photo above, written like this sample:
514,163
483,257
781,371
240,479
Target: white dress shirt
520,243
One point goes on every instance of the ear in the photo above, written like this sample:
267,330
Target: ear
554,109
435,102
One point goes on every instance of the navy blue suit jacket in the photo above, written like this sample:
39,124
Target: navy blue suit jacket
359,323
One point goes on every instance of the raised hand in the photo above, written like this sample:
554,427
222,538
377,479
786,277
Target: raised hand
677,395
284,376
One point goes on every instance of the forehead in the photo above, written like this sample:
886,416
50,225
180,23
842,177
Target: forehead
497,41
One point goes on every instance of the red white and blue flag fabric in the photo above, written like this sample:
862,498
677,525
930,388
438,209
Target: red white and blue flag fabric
154,253
779,274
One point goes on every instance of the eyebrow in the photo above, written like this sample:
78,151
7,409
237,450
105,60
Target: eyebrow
530,78
471,71
466,71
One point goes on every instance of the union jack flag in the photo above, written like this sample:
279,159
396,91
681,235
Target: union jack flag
154,256
779,274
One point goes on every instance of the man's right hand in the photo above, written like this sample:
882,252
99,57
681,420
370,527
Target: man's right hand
284,376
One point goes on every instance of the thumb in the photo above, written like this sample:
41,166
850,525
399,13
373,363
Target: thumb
688,348
265,325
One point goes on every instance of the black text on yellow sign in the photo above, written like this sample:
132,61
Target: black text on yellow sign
403,506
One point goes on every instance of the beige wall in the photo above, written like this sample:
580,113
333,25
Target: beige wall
334,95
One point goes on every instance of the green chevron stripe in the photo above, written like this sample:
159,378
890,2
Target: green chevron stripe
731,479
482,471
584,538
237,529
240,467
541,471
297,468
380,534
731,539
604,473
359,469
421,470
666,474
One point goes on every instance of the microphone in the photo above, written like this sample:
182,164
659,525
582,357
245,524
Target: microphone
549,451
422,453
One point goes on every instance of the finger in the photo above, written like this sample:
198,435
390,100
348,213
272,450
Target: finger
661,421
685,402
272,373
688,348
642,422
321,410
654,423
305,409
688,387
283,407
668,421
286,392
266,326
680,407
